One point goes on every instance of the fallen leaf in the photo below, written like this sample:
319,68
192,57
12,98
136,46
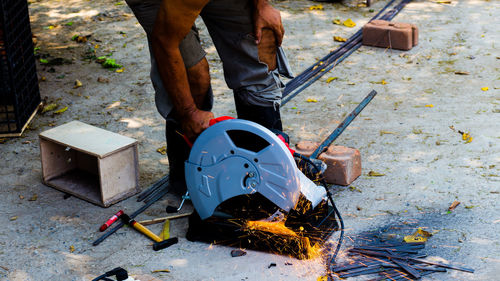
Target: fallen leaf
162,150
316,7
336,21
44,61
13,218
165,232
331,79
420,235
484,89
311,100
120,70
238,253
322,278
417,131
78,84
61,110
34,197
160,270
429,105
382,82
353,188
339,39
375,174
69,23
443,2
71,249
349,23
387,133
49,107
453,205
21,197
470,206
462,73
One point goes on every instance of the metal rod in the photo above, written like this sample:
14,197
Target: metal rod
159,220
140,210
152,188
341,127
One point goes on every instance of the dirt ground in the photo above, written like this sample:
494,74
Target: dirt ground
451,78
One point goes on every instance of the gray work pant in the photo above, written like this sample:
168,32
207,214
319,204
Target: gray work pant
230,25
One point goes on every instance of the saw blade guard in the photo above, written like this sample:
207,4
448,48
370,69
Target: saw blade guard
237,157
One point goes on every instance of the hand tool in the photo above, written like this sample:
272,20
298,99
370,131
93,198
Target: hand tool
111,220
141,228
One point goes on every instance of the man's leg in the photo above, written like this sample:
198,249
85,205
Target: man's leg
249,69
199,82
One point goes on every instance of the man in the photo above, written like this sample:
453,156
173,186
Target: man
247,35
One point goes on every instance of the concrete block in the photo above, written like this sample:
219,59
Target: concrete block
394,35
306,147
344,164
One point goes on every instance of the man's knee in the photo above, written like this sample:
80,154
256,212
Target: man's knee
267,49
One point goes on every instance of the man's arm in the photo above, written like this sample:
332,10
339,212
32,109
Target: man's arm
265,16
173,22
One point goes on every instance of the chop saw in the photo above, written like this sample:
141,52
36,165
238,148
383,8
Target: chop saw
248,192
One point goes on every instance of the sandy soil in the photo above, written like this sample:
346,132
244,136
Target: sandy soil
427,165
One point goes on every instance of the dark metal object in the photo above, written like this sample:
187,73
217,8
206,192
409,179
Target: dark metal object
133,215
341,127
19,92
374,253
392,249
413,272
152,188
165,243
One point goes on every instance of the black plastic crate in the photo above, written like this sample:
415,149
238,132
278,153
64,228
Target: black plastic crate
19,93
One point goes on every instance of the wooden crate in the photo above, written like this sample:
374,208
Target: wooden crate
90,163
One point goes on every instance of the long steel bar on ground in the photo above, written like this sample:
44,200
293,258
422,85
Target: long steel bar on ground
151,189
341,127
301,78
135,214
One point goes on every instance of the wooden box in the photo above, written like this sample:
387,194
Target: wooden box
90,163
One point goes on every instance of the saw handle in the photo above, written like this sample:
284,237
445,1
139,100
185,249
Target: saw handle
210,123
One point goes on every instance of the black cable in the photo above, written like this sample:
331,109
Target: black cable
329,195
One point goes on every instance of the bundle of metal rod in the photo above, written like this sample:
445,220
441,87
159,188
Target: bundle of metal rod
148,192
161,192
392,260
335,57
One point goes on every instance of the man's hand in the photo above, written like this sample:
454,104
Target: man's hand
195,122
265,16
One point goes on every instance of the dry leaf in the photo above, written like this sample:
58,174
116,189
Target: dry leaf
21,197
311,100
162,150
322,278
120,70
13,218
429,105
160,270
331,79
61,110
386,133
49,107
375,174
316,7
34,197
419,236
339,39
462,73
102,80
349,23
453,205
484,89
336,21
78,84
382,82
71,249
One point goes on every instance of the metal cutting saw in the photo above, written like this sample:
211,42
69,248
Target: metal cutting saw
248,192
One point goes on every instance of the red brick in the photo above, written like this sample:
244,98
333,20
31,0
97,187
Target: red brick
344,165
395,35
306,147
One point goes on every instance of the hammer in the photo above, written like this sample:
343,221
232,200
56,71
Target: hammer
159,243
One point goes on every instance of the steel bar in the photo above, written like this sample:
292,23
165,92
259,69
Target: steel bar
392,249
159,220
373,253
135,214
370,271
341,127
413,272
156,192
152,188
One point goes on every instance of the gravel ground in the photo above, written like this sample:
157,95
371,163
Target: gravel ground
404,134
